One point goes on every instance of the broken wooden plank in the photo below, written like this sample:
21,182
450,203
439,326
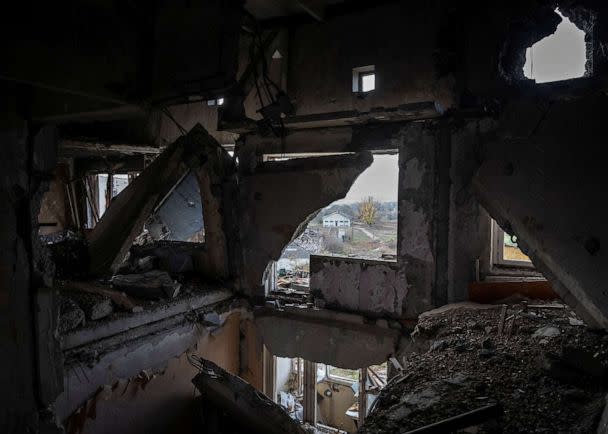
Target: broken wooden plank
244,405
464,420
119,298
501,321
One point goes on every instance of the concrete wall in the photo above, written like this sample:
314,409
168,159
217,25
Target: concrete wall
372,288
322,56
54,205
28,375
158,396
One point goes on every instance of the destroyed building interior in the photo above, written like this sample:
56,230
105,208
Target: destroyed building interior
292,216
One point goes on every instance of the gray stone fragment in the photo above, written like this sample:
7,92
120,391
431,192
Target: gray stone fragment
70,315
546,332
153,284
94,306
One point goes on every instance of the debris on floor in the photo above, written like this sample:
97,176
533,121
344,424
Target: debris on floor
536,361
153,284
70,315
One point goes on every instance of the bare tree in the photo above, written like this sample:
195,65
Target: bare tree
368,211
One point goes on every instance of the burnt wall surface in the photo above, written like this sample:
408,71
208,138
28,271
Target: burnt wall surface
455,55
28,378
543,180
322,56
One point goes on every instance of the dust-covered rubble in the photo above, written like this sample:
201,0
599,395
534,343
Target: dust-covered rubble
536,360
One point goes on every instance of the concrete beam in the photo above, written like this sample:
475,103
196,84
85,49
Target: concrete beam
542,180
325,336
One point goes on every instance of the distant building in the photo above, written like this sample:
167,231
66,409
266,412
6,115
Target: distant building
336,220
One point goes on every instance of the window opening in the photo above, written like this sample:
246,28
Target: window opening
560,56
338,392
362,225
96,193
368,81
364,79
505,250
215,102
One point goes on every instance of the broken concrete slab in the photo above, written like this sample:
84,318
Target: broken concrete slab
124,219
95,306
539,185
154,284
153,314
70,315
326,336
247,409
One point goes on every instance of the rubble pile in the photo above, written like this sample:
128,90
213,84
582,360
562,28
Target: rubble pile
537,361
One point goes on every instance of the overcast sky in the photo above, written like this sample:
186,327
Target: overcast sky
559,56
379,180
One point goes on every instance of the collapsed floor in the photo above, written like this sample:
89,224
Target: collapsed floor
537,361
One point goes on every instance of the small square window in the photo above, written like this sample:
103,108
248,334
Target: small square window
505,250
364,79
368,81
215,102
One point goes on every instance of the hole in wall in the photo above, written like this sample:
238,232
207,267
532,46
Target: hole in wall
559,56
361,225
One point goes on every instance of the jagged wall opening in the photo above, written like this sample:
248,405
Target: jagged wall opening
560,56
543,23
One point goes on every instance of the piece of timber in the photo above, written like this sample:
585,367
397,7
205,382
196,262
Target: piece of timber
124,219
244,405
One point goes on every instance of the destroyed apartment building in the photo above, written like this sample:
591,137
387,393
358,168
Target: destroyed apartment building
304,216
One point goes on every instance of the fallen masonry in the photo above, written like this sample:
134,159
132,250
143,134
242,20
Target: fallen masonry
546,372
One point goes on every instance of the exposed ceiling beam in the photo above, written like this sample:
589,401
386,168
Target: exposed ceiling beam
315,8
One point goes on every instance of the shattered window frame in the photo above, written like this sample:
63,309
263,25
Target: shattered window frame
341,379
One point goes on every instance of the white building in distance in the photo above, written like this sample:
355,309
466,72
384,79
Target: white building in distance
336,220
